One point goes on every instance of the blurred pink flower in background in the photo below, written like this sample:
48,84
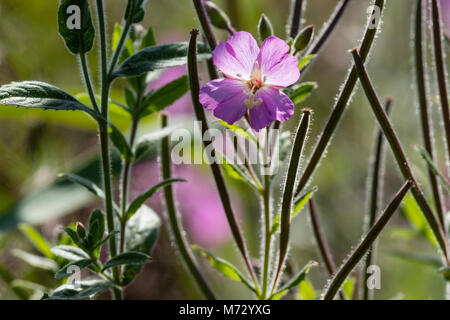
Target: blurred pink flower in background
197,200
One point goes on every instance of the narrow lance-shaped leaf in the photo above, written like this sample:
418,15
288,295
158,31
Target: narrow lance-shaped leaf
89,185
224,267
300,92
120,142
426,156
69,253
72,267
36,240
96,226
75,25
159,57
130,257
164,97
36,94
140,200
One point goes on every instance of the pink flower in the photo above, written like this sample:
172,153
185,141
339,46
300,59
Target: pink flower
254,77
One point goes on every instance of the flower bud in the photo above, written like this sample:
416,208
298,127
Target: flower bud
81,230
218,17
265,28
304,38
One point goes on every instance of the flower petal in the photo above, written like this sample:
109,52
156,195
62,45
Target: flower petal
226,97
279,104
236,57
277,66
260,117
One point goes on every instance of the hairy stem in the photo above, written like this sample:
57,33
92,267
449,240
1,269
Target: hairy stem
339,107
366,243
425,119
288,193
175,225
398,152
215,168
267,235
321,242
374,200
296,17
441,71
88,81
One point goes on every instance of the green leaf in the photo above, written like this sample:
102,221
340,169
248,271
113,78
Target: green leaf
96,226
306,291
426,156
89,185
413,213
418,258
304,61
239,131
236,173
35,94
164,97
149,39
159,57
29,286
35,261
36,240
68,271
224,267
121,143
81,291
130,257
105,239
297,279
141,199
135,11
142,233
445,272
69,253
74,236
127,49
348,287
301,91
149,142
298,206
75,25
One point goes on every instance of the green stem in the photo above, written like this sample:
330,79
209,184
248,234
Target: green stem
339,108
215,168
267,235
441,71
375,196
399,153
180,239
88,81
425,119
288,193
104,141
324,250
366,243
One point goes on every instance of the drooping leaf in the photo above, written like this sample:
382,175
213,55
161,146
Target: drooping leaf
35,261
306,291
82,290
36,94
159,57
69,268
224,267
301,91
75,25
130,257
165,96
141,199
142,232
69,253
298,206
299,277
89,185
36,240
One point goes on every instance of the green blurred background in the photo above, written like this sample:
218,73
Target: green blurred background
35,146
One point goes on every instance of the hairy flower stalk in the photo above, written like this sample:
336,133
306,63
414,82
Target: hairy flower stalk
375,196
340,105
175,225
366,243
297,10
399,153
441,72
288,193
215,168
321,243
422,90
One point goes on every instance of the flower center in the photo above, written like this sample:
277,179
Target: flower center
253,85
